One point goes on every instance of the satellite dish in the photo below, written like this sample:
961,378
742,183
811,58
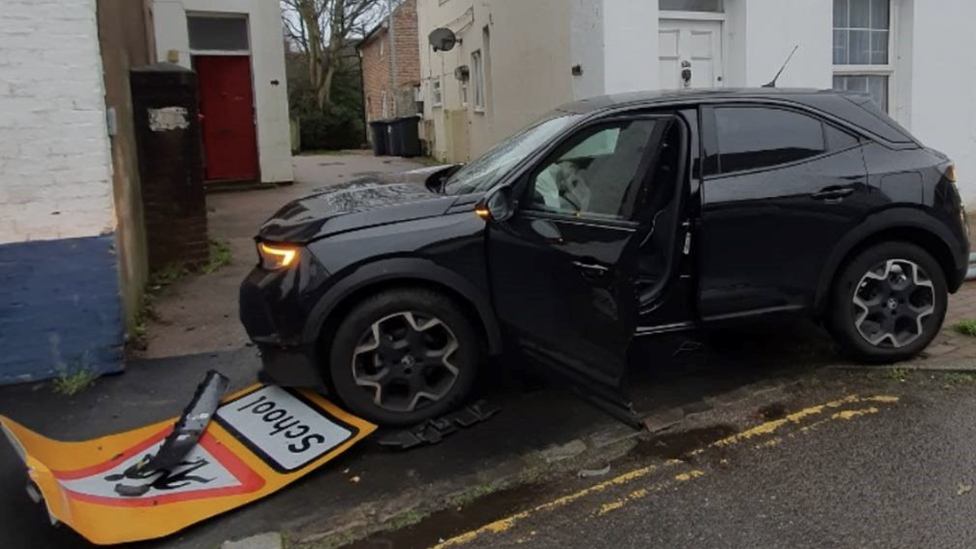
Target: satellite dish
442,39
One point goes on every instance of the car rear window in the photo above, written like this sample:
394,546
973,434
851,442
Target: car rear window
837,139
883,125
750,138
863,112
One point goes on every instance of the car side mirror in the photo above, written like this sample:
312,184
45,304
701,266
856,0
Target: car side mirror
498,205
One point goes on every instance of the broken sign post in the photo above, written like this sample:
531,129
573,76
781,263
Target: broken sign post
260,440
184,437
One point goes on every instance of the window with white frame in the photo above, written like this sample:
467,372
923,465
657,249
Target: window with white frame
478,80
715,6
862,48
436,92
225,33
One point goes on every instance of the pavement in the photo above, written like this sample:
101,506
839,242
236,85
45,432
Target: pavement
951,347
198,313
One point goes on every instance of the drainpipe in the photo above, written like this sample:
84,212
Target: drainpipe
362,96
393,57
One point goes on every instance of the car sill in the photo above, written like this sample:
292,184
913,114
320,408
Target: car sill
643,331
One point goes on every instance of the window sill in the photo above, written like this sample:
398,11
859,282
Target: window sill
699,15
479,110
863,69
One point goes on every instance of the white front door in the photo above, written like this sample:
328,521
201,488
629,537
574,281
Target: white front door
691,54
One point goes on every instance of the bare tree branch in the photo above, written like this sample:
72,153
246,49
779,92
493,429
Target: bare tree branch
322,28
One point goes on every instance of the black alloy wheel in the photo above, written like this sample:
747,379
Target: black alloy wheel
888,303
404,356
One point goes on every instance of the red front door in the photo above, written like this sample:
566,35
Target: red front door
227,106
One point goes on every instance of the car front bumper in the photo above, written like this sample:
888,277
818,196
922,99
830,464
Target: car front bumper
274,309
289,366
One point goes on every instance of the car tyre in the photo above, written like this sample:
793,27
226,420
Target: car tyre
404,356
888,303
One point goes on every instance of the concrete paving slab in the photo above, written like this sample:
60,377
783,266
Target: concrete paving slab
663,420
612,435
268,540
562,452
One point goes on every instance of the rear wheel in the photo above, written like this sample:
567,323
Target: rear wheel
404,356
889,303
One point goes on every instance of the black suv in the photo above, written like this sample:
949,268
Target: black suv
611,219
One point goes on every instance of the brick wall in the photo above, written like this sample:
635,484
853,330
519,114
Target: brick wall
54,151
377,60
408,46
170,164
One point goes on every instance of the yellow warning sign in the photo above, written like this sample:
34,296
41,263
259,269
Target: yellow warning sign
260,440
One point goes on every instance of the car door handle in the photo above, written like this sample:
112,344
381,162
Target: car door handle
591,269
832,193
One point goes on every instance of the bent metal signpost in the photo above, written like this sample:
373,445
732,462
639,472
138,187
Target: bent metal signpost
262,439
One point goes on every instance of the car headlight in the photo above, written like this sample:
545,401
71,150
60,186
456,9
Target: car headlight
277,256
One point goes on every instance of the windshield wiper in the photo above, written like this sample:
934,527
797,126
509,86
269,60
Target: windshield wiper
437,183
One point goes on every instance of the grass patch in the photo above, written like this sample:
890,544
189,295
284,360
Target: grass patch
405,519
167,275
140,326
898,374
966,328
74,379
219,256
958,379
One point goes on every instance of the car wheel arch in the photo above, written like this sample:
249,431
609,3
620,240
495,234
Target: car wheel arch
402,273
896,224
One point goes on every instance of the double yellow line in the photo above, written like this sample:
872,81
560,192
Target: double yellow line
806,419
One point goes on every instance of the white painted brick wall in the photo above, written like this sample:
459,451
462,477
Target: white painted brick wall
55,165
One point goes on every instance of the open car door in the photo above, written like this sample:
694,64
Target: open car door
564,264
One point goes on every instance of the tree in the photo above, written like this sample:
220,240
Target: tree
321,28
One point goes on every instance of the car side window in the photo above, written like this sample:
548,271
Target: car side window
595,174
838,140
750,138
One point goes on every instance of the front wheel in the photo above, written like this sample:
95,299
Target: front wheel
889,303
404,356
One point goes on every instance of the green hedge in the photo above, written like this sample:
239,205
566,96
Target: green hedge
332,129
